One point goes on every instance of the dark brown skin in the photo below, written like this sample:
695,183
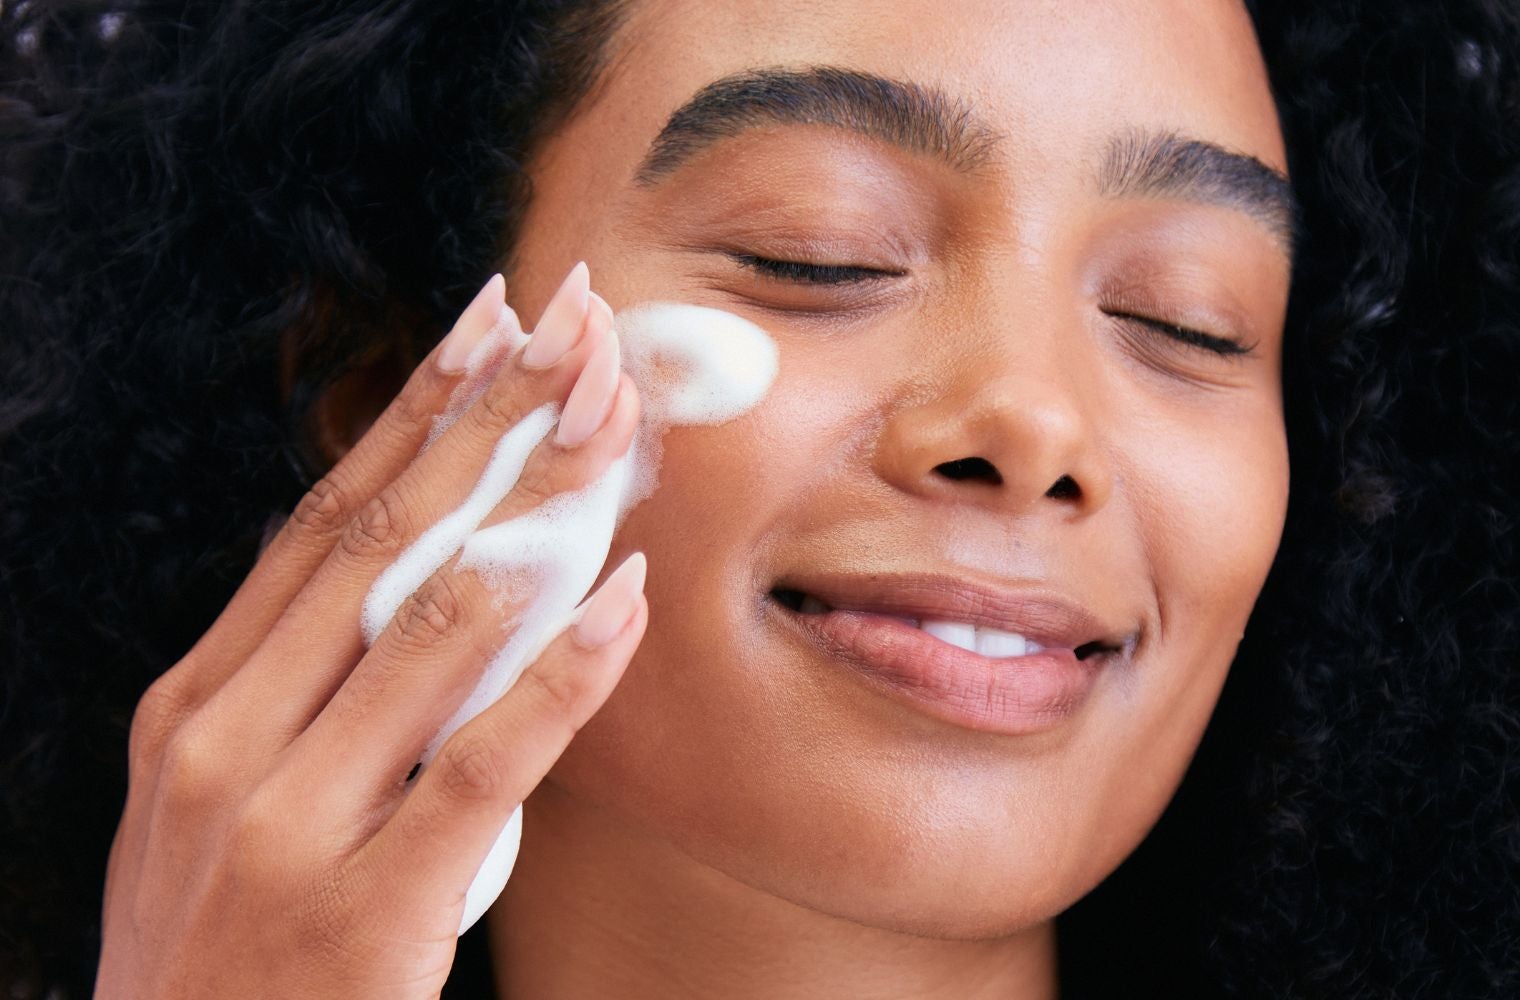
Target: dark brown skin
745,816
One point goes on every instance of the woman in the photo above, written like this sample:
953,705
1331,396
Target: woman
1028,273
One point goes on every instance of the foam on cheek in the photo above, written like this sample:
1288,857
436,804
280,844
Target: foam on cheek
727,362
692,365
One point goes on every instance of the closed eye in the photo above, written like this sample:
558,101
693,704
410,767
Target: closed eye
1186,335
804,272
809,273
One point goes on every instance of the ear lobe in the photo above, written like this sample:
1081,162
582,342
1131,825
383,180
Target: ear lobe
345,409
371,360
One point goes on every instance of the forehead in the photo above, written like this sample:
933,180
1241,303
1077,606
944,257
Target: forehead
1058,77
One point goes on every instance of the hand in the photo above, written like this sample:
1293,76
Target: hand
272,844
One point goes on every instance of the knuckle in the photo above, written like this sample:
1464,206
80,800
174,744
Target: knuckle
379,529
565,693
433,612
500,407
536,485
472,769
162,708
189,769
409,413
322,511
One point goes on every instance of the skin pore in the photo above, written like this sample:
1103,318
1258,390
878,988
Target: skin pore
748,816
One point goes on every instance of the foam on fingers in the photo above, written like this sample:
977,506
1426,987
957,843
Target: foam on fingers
692,365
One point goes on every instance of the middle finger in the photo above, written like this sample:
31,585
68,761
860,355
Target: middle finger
412,681
315,644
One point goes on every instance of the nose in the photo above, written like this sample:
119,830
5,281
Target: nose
1016,433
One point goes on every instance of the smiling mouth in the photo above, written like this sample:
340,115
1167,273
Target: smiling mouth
1010,661
982,639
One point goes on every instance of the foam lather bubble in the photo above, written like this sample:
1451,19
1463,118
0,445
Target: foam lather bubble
692,365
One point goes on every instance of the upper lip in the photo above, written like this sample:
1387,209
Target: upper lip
1036,612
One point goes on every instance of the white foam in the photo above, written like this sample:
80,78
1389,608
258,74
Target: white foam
692,365
504,336
437,544
729,368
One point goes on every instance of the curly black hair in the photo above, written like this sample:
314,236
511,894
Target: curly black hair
214,214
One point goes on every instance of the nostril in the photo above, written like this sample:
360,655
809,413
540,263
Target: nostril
1064,488
978,469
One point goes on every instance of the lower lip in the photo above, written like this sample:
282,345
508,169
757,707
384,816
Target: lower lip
1016,695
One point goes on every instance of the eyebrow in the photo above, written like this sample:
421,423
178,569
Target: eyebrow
1168,165
922,119
907,115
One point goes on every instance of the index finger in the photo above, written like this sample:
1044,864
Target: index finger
312,529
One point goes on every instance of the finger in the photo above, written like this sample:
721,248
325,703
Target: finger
312,529
549,465
315,644
291,556
448,822
434,651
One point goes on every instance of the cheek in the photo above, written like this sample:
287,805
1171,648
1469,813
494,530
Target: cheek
1210,505
1220,497
712,737
680,724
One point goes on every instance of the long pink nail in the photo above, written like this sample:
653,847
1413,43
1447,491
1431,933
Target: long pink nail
478,318
560,326
608,611
600,308
591,400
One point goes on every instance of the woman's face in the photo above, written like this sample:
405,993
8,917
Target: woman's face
993,425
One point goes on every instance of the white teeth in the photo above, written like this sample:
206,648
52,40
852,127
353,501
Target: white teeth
993,643
990,642
996,642
955,633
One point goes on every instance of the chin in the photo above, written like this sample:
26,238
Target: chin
779,733
862,827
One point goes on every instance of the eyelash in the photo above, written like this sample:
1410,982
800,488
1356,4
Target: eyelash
812,274
1188,336
838,274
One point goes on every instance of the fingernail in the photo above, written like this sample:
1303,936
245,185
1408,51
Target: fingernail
591,399
600,308
607,612
478,317
560,326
